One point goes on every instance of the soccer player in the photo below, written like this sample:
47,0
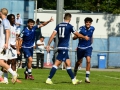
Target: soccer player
4,43
12,53
84,47
28,36
63,30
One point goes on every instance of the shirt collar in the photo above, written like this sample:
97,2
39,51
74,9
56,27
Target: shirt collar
86,28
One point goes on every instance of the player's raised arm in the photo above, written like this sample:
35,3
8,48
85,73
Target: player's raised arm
45,23
50,40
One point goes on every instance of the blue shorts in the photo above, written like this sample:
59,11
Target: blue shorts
62,55
84,52
28,52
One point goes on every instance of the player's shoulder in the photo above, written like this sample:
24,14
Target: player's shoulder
4,21
92,27
81,27
70,25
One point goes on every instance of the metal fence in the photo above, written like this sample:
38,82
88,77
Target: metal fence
100,45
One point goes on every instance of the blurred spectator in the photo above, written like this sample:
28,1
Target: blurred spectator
38,30
18,22
40,51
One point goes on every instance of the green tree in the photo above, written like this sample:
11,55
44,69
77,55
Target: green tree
108,6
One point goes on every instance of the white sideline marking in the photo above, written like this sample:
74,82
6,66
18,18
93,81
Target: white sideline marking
102,75
24,88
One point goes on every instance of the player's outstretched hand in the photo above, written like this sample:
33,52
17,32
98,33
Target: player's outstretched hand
87,38
48,48
51,19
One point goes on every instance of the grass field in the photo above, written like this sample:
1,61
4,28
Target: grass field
100,80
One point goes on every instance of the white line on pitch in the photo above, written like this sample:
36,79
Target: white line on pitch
102,75
10,88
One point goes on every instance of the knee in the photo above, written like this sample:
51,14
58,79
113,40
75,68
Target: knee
88,61
30,59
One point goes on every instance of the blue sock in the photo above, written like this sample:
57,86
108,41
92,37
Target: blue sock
87,74
69,71
53,71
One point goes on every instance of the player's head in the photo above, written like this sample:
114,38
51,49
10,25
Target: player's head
3,12
88,21
11,18
42,38
37,21
67,17
18,15
30,23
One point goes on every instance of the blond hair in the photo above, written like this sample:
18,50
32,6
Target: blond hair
4,11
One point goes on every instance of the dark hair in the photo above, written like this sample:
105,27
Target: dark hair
88,19
37,20
67,16
10,16
42,37
30,21
18,14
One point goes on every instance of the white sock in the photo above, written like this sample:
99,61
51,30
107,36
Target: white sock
73,79
11,71
1,73
48,79
29,70
5,76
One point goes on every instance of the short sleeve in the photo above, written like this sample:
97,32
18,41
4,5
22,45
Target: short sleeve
6,24
22,34
73,29
80,29
56,28
38,42
35,27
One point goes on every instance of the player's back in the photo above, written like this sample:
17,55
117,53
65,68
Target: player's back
64,31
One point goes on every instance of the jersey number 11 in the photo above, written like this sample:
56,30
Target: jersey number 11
61,32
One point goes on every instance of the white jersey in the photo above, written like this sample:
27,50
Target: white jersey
4,26
41,47
13,35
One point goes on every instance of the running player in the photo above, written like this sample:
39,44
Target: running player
63,30
12,53
84,47
28,36
4,43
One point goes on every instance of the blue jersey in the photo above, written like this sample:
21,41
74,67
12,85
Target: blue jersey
64,30
86,32
28,37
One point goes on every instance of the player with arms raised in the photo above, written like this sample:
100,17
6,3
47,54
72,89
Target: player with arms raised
63,30
28,39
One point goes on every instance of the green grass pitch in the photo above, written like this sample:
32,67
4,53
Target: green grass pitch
100,80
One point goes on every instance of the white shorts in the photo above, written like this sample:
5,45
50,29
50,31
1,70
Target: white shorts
12,54
18,31
3,56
